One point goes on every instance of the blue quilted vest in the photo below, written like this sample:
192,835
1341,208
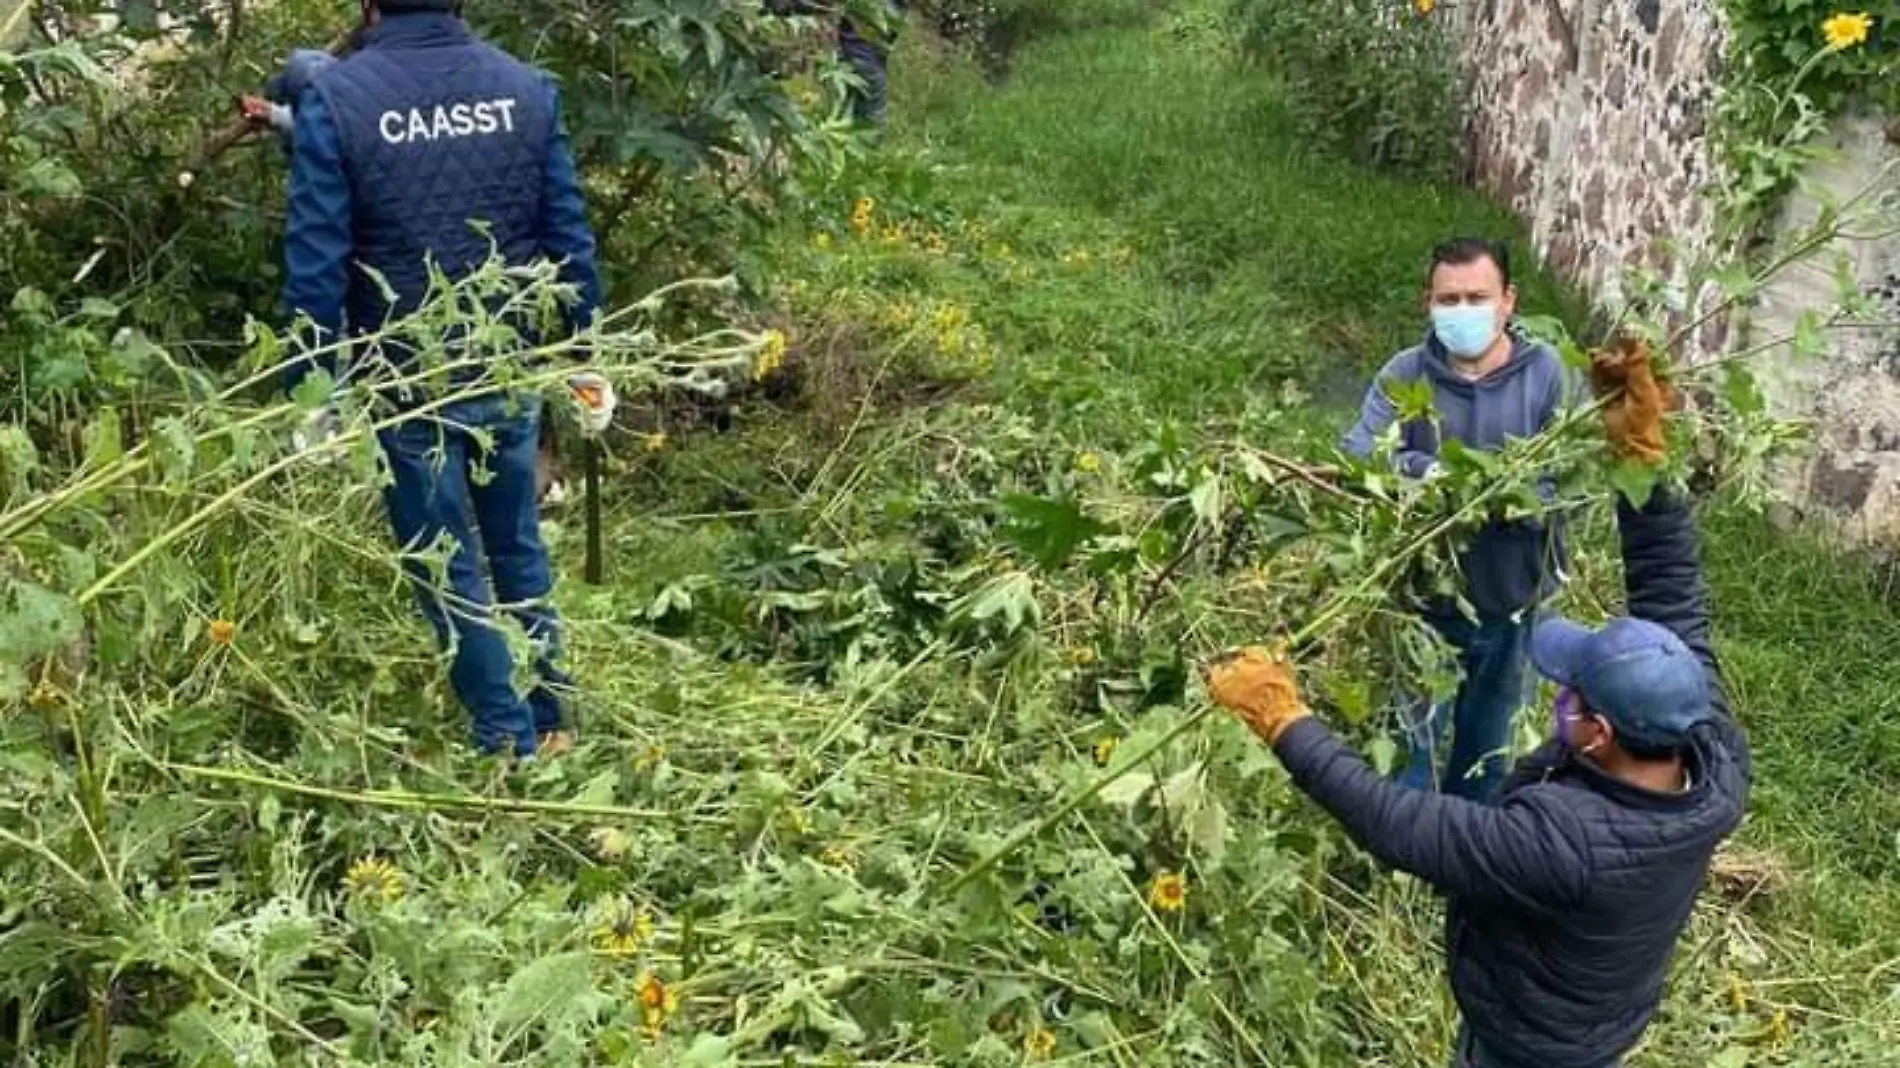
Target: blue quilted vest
438,131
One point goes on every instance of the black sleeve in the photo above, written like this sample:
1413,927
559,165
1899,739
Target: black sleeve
1662,577
1523,854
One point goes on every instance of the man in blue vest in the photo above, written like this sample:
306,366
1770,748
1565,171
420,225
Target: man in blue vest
427,147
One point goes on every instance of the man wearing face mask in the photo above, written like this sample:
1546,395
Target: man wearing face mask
1564,901
1488,385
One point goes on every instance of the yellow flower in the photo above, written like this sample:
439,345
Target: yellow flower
1105,750
771,355
838,858
821,239
1424,7
1168,892
1082,655
1844,30
650,757
654,442
657,1002
221,632
45,697
610,843
1088,463
1039,1043
949,317
863,214
893,235
374,877
623,929
934,243
900,314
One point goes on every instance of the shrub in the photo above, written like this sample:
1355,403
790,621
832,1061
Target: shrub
1374,80
686,139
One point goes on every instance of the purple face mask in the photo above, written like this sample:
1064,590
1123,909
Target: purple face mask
1568,707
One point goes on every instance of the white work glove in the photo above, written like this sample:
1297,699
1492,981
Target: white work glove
318,429
594,396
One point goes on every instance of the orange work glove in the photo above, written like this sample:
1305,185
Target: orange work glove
1633,410
1258,686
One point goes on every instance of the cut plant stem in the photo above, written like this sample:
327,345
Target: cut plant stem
1313,628
404,799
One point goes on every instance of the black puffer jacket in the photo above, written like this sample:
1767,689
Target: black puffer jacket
1566,899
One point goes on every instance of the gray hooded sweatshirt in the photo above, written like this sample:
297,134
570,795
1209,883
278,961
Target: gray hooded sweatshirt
1507,566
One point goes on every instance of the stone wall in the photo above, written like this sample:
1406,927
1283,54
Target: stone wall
1589,119
1851,398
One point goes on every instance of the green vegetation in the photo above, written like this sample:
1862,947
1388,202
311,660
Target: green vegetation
1056,360
1374,81
1796,66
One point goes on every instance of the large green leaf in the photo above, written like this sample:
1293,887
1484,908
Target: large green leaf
1047,530
550,989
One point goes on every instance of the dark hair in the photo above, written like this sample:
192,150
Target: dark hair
1460,251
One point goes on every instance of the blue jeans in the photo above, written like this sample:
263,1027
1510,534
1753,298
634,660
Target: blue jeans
1494,656
868,60
445,483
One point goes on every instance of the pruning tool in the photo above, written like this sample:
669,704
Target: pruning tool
253,112
594,572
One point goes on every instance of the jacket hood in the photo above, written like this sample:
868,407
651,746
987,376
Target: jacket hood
1436,362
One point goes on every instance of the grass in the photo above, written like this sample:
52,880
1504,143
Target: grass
1256,260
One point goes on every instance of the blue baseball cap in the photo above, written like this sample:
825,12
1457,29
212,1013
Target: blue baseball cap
1636,674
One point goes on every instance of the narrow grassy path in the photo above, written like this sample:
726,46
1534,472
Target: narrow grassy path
1255,262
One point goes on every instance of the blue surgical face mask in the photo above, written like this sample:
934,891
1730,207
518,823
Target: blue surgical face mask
1466,329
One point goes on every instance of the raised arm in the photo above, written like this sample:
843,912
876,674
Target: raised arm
1662,566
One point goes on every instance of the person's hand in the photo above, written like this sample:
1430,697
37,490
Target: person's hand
594,395
318,429
1258,686
1634,402
256,110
